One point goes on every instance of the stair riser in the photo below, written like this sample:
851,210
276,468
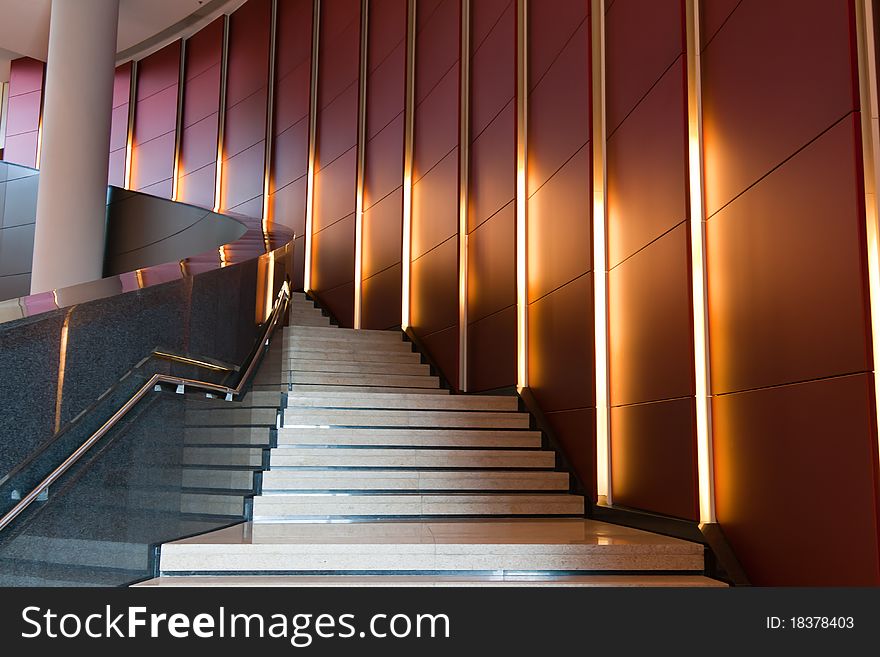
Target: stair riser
231,417
362,390
282,481
395,418
408,357
405,401
385,380
409,438
304,365
350,335
404,458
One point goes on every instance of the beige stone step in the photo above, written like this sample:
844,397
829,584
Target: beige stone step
230,416
298,388
243,457
403,400
357,417
288,457
217,479
437,581
384,380
354,355
415,480
316,320
339,366
213,505
410,437
346,334
340,345
484,545
284,506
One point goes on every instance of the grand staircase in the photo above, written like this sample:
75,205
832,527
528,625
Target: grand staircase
378,475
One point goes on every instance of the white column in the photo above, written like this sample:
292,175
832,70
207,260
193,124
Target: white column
71,207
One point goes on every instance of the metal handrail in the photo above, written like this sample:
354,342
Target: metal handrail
154,380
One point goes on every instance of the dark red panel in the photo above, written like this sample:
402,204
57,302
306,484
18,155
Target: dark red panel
787,281
653,457
443,348
795,482
247,92
492,265
23,111
155,122
333,256
552,25
382,232
800,75
642,39
561,347
434,296
649,323
290,157
435,206
201,116
119,125
713,14
492,351
380,299
493,168
335,191
647,168
436,125
576,432
340,302
493,62
383,166
438,43
560,227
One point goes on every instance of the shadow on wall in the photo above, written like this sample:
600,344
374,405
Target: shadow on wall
142,230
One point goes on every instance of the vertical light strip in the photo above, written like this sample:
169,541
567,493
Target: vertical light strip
698,267
361,156
4,110
270,120
62,367
178,133
221,121
870,118
313,143
270,285
410,112
600,257
132,107
463,190
522,101
39,155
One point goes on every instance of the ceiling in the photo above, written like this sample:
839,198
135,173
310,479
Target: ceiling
24,24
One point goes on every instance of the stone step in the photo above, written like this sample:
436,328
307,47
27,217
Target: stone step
293,506
337,333
403,401
300,457
342,346
298,388
240,457
212,505
298,321
253,399
212,479
473,546
358,417
384,380
227,436
338,366
438,581
230,416
416,480
353,356
351,437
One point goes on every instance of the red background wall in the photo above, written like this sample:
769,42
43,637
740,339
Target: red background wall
434,287
247,97
383,182
560,281
653,435
197,176
795,445
333,225
155,122
290,157
119,125
25,105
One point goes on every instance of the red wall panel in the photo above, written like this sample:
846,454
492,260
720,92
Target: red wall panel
434,267
336,167
119,125
247,94
24,110
197,175
491,193
290,156
787,295
155,122
385,105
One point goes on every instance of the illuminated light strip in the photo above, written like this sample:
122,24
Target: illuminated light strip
139,275
178,130
221,122
39,142
270,120
223,260
4,112
129,141
313,142
361,155
62,367
705,476
463,188
406,255
600,258
270,285
870,124
522,308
